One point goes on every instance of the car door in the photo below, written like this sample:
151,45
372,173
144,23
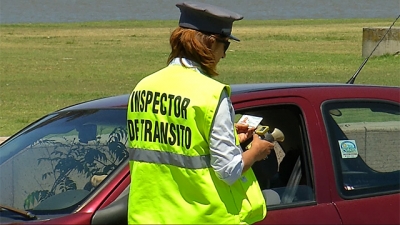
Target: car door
364,139
297,189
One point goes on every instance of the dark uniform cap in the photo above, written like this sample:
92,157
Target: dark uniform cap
207,18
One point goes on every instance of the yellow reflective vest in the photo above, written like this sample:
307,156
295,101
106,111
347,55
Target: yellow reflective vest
170,115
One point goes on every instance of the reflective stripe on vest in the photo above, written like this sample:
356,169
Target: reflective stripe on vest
169,158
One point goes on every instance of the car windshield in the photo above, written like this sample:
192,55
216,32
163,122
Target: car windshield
56,162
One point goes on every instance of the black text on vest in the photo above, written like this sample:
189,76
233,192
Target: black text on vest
163,103
163,132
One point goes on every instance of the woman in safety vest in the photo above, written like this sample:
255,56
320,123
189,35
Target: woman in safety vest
187,166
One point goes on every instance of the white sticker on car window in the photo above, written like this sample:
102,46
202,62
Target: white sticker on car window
348,148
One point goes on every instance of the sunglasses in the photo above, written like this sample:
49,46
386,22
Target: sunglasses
225,42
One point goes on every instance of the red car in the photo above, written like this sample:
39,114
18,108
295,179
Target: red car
338,163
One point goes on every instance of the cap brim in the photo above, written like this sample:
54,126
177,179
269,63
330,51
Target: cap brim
233,37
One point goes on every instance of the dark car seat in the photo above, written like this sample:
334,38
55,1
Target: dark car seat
265,170
287,165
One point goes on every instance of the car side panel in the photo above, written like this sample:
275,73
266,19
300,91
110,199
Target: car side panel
381,210
315,214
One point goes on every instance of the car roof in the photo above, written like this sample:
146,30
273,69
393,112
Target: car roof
246,88
121,101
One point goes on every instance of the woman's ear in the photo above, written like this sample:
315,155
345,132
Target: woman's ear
213,43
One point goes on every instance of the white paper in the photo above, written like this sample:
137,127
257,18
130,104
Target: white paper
252,121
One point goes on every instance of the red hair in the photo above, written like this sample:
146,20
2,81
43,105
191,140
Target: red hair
195,46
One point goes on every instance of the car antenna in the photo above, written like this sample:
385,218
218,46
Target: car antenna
353,78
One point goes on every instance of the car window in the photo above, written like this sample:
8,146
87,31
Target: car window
285,177
58,161
364,138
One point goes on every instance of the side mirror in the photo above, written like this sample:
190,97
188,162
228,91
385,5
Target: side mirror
335,112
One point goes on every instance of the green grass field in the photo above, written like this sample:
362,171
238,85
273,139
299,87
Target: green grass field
44,67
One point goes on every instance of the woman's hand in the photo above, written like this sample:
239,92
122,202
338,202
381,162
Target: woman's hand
244,131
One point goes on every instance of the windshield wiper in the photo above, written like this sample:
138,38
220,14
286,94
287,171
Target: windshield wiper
23,213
